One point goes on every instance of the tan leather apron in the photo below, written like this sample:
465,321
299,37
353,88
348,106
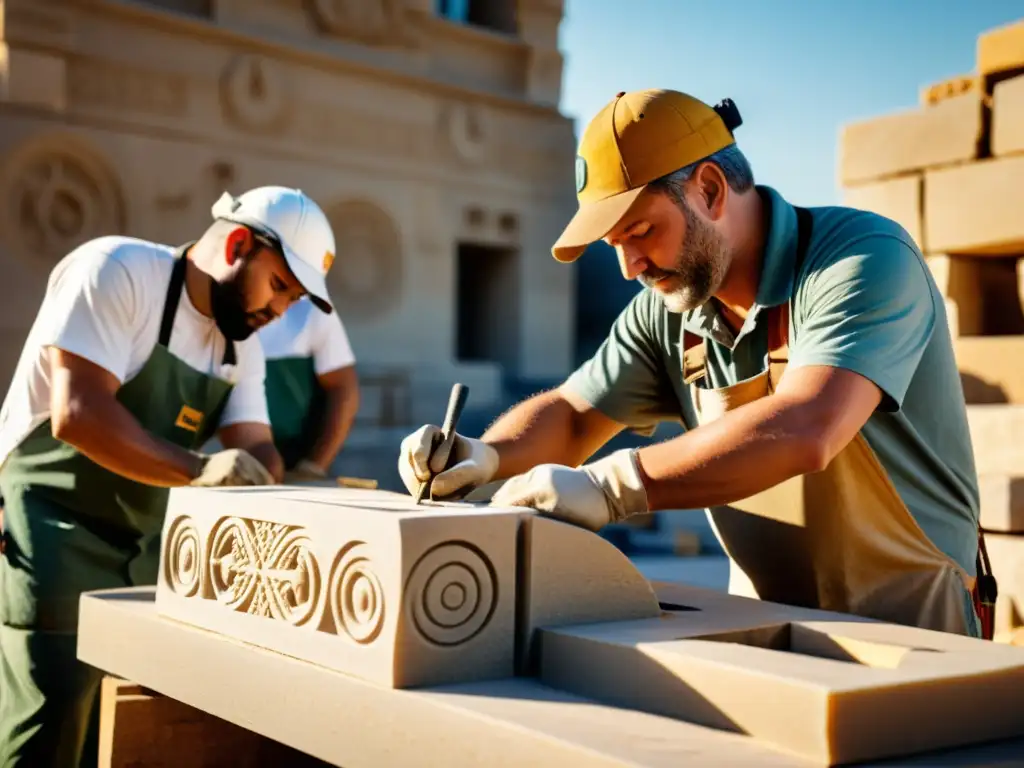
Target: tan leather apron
841,539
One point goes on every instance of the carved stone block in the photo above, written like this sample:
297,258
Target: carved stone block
832,688
359,581
368,583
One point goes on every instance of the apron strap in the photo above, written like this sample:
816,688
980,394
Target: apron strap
986,590
694,357
171,307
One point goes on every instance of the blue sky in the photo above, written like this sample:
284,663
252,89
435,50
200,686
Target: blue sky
797,69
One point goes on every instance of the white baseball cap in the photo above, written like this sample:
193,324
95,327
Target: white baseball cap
294,225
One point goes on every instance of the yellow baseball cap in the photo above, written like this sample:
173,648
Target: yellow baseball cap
638,137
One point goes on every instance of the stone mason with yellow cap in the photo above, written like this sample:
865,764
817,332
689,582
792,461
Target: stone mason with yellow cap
139,354
805,351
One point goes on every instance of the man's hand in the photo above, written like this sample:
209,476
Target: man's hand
230,468
474,463
602,492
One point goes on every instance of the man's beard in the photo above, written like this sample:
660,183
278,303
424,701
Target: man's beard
229,311
700,267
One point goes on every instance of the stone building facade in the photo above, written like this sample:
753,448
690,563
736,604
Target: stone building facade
428,130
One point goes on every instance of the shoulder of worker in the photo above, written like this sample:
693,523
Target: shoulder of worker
841,233
112,265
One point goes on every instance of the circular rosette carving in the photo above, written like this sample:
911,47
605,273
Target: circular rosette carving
264,569
451,593
182,554
58,193
366,277
356,594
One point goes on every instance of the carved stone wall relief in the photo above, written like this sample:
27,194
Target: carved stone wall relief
464,129
255,95
367,21
366,279
57,192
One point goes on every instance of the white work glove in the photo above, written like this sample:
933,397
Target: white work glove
232,467
305,470
474,463
602,492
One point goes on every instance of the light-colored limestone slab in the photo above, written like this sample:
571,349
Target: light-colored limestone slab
996,435
911,140
1002,503
992,368
359,581
1001,49
975,208
829,689
1008,117
959,280
357,724
567,578
898,199
354,723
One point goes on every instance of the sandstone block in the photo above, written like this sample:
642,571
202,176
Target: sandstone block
1001,49
991,368
947,89
831,689
1002,503
952,317
996,435
893,145
898,199
378,590
354,723
1008,117
368,583
32,78
975,208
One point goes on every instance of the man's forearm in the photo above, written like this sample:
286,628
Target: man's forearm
540,430
106,432
743,453
340,413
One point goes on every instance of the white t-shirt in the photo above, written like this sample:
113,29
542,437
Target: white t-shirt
104,301
305,331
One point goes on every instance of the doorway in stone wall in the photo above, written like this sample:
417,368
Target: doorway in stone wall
487,305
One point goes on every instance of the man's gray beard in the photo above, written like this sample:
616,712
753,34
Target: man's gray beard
700,267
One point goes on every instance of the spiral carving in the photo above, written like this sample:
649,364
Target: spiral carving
451,593
356,594
264,569
182,555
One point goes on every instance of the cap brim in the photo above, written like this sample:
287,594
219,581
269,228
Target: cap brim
592,222
311,279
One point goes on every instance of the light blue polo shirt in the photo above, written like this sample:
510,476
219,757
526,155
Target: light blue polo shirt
864,300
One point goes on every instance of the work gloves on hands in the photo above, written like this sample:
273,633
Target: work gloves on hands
595,494
304,470
473,463
232,467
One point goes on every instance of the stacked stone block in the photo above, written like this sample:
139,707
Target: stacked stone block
950,171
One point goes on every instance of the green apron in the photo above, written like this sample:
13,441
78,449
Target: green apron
72,526
295,404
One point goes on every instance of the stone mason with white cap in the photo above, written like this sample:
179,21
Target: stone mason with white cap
140,353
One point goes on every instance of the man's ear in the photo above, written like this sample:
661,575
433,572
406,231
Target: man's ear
236,244
712,189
